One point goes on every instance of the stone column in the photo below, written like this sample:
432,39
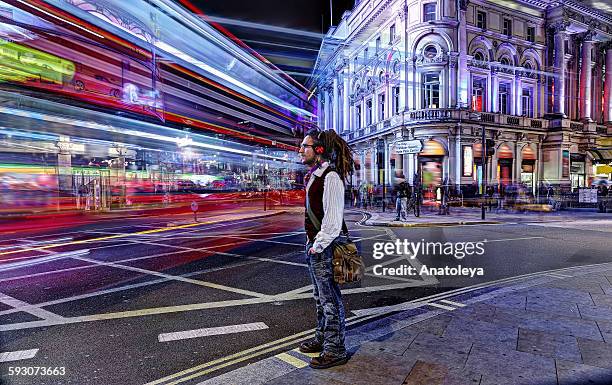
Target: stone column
597,85
387,163
458,158
494,92
452,69
410,85
410,160
608,85
559,68
374,170
518,95
586,78
463,75
346,118
334,123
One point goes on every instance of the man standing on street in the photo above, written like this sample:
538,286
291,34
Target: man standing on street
330,160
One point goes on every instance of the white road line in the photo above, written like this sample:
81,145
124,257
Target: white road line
256,301
211,249
39,260
121,288
40,313
45,242
513,239
176,278
457,304
176,336
557,275
18,355
440,306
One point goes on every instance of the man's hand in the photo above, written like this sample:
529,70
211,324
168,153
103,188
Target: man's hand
311,251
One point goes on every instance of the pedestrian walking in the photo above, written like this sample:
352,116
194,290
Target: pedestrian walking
401,201
330,160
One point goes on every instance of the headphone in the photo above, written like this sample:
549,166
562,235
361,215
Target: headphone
318,146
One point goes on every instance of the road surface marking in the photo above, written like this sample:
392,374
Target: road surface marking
244,355
513,239
210,249
557,275
116,236
457,304
291,360
175,278
205,332
40,313
121,288
39,260
311,355
236,358
438,305
18,355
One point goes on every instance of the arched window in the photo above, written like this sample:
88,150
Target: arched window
527,66
479,56
430,52
505,62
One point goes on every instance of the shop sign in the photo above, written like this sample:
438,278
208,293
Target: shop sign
408,147
468,160
587,195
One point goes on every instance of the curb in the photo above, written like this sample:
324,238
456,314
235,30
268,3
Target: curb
432,224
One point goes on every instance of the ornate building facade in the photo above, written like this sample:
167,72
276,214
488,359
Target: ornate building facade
412,84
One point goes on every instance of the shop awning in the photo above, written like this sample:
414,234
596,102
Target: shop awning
601,155
603,169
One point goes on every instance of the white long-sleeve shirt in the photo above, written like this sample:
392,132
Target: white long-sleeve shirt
333,207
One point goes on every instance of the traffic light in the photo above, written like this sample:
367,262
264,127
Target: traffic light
490,145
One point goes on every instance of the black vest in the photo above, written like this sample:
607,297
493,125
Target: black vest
314,197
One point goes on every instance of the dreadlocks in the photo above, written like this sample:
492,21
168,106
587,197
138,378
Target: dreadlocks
336,151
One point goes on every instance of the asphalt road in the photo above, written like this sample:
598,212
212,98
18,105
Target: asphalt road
107,301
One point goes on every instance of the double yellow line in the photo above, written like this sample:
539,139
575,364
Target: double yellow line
223,362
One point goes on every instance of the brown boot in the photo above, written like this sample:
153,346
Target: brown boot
311,346
327,360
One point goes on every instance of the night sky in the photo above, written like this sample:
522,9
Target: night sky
293,54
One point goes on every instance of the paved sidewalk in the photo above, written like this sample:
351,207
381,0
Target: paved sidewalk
543,328
472,216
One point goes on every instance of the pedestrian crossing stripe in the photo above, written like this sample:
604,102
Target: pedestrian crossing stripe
291,360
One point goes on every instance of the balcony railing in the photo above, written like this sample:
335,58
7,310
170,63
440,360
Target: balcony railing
449,114
431,114
576,126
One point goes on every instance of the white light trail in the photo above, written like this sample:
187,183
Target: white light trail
126,131
61,19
